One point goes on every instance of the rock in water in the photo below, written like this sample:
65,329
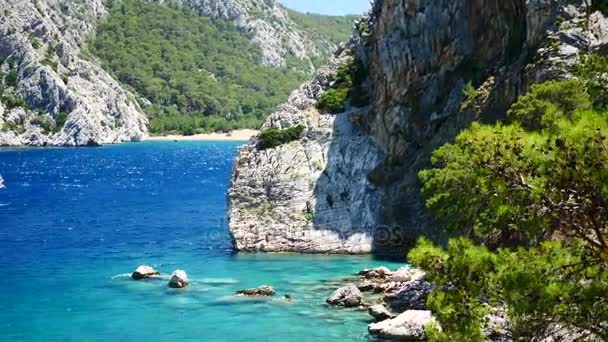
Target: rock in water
348,296
380,312
406,274
143,272
380,272
178,280
2,183
407,326
260,291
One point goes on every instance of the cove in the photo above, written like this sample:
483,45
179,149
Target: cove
75,222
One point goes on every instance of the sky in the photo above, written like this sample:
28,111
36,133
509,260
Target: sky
333,7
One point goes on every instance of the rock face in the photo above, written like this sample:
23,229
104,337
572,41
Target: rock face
348,296
350,184
274,32
143,272
40,47
310,195
380,312
178,280
261,291
408,326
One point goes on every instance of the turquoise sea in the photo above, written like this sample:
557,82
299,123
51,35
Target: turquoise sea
75,222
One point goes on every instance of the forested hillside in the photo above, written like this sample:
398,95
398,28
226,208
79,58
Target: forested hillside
194,74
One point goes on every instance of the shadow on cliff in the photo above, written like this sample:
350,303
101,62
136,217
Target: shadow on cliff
344,201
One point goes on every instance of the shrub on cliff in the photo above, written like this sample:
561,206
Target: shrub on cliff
273,137
536,190
13,102
347,85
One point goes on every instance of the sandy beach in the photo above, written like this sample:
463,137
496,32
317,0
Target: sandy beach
238,135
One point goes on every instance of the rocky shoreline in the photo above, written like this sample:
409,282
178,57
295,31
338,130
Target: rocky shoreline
397,302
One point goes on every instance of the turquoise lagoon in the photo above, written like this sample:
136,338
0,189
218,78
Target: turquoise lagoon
75,222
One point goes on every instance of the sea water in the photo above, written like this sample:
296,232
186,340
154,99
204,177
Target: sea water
75,222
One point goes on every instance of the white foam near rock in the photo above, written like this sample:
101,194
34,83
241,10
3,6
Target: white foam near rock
178,280
143,272
409,325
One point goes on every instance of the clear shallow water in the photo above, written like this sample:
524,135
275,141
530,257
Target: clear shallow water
73,220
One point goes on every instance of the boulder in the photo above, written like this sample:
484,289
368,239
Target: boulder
408,326
409,296
143,272
380,312
380,272
406,274
347,296
261,291
367,286
178,280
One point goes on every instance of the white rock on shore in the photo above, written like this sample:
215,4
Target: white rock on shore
409,325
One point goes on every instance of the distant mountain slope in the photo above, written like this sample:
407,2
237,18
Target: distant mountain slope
196,71
279,33
49,94
188,65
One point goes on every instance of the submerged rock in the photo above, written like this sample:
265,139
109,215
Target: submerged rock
347,296
261,291
143,272
407,326
380,312
178,280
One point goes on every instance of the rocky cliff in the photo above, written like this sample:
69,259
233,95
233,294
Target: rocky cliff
349,185
55,93
52,94
278,37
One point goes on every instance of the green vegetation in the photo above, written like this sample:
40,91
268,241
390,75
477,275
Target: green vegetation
273,137
45,123
13,127
334,100
324,28
593,70
347,84
60,121
13,102
35,42
199,75
530,199
49,58
470,96
11,78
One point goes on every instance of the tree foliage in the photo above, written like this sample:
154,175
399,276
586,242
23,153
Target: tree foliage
535,192
593,69
197,74
273,137
346,84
